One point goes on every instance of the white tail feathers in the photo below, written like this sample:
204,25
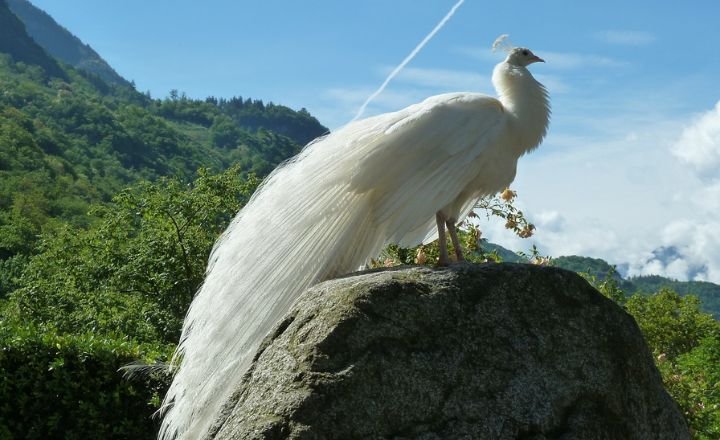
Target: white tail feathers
302,226
326,211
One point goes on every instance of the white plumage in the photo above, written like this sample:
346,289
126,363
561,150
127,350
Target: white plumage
384,179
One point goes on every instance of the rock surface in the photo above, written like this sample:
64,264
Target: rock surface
471,352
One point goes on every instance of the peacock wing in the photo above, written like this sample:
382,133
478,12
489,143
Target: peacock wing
423,157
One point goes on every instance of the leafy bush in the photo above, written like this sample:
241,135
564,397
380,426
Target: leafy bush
136,270
69,143
68,386
93,300
475,248
686,345
672,324
693,379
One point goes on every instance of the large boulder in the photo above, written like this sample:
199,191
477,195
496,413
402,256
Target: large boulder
498,351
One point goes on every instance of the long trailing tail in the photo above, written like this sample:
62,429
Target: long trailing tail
302,226
305,224
319,215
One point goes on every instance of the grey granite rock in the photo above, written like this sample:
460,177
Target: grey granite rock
499,351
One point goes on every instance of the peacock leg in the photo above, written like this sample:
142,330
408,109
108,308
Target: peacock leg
452,229
443,259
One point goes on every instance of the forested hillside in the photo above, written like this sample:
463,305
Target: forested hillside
61,44
708,293
67,144
15,42
68,140
110,202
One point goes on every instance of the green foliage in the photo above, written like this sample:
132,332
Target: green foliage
598,269
68,386
94,300
672,324
501,206
135,271
428,254
594,267
607,284
66,145
693,379
15,41
93,275
60,43
254,115
504,254
475,248
10,272
709,293
686,346
96,275
229,118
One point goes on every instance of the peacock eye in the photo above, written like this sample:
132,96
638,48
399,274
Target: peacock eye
525,53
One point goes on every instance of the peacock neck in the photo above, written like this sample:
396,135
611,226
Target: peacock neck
526,102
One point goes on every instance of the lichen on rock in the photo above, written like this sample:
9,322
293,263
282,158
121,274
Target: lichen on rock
496,351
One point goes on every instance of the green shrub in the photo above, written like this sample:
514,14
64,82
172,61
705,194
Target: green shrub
69,387
672,324
686,345
693,379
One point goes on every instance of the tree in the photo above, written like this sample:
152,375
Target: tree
136,271
672,324
686,346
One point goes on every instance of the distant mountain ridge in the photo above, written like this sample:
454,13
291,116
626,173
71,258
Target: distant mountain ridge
70,140
15,41
709,293
79,141
61,43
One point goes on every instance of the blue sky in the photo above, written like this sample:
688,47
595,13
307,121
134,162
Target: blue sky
629,171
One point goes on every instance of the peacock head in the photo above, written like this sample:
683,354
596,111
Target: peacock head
517,56
520,56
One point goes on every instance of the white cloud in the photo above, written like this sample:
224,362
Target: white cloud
677,269
626,37
587,238
694,240
554,60
620,193
550,220
412,85
652,267
356,96
481,53
569,60
554,84
456,80
694,252
607,183
699,144
708,198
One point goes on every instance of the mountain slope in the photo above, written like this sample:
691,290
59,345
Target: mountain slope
65,144
15,42
62,44
709,293
69,140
